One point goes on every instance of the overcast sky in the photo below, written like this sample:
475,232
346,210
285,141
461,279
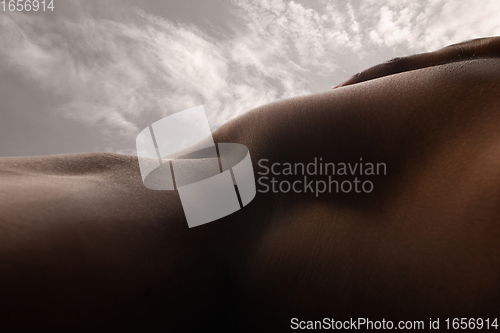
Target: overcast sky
91,74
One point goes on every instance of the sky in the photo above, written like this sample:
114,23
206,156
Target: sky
90,75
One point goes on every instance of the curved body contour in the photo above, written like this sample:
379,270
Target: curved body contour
84,245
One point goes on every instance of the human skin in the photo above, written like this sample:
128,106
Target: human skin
85,246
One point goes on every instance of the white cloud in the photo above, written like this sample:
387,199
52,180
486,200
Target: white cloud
120,72
419,26
295,31
113,73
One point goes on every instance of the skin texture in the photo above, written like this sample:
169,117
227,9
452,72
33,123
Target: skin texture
85,246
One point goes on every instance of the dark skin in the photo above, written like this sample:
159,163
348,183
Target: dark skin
85,246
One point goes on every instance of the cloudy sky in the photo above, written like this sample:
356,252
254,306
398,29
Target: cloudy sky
91,74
